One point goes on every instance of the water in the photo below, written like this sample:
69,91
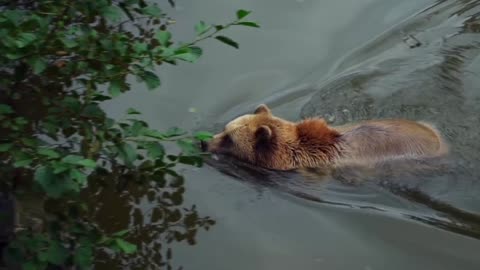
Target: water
345,60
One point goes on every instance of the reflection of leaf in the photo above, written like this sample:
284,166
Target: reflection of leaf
175,216
191,160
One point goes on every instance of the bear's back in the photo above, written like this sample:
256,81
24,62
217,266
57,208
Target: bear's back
376,141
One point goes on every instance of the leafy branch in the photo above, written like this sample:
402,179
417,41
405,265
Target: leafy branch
59,60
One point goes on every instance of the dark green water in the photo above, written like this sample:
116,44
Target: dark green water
344,60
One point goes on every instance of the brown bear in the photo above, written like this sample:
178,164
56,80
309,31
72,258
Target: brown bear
274,143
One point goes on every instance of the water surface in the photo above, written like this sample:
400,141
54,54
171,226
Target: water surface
343,60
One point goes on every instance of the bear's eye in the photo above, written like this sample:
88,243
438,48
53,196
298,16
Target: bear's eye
226,141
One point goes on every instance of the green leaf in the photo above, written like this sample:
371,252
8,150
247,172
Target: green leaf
87,163
5,109
92,110
4,147
152,10
201,28
112,13
163,37
126,247
127,153
59,167
44,176
121,233
72,104
56,254
15,55
48,152
137,128
52,184
99,97
80,177
227,41
155,150
38,64
188,147
25,39
69,43
153,134
242,13
83,257
249,24
174,132
79,160
30,266
116,87
72,159
140,47
22,163
29,142
189,55
203,136
151,79
133,111
15,16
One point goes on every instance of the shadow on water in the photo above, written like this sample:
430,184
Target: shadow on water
433,82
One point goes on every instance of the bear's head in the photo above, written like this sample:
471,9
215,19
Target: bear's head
258,138
271,142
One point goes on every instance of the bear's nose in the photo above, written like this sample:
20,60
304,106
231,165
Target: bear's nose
204,146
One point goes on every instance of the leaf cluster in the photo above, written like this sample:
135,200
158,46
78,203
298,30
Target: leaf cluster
59,60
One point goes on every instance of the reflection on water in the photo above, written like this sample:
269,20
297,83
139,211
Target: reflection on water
155,215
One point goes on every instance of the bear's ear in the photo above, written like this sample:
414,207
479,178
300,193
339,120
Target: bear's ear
262,108
263,133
